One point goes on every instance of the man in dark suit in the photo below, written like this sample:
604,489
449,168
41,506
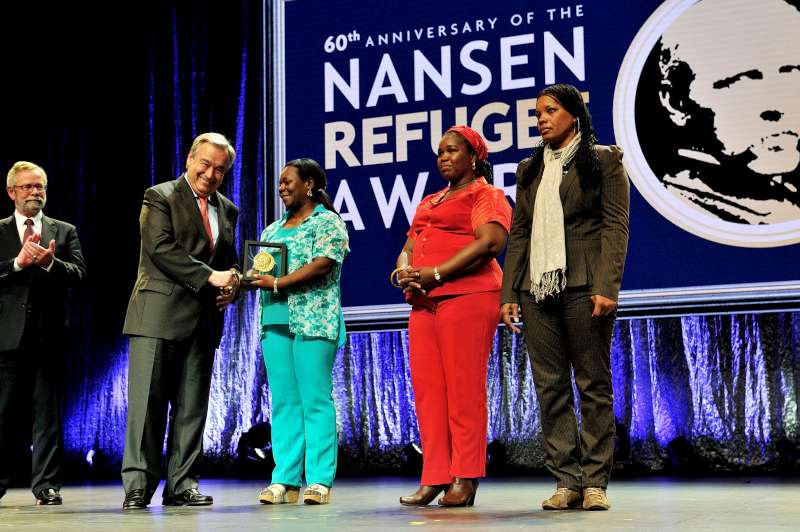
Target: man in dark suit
40,258
187,276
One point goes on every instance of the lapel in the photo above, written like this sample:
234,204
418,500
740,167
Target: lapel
567,182
189,202
49,231
9,236
222,223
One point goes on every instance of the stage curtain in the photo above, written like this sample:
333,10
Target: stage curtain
710,392
692,393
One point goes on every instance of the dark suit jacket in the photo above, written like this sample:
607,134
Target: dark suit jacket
43,292
171,291
596,229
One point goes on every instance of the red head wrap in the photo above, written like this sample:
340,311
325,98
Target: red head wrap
475,140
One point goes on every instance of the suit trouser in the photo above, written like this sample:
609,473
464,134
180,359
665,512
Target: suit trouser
449,343
303,413
564,339
33,390
164,373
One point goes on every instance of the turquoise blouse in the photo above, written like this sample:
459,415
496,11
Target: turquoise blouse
276,305
315,309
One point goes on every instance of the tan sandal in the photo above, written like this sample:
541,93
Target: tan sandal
317,494
279,494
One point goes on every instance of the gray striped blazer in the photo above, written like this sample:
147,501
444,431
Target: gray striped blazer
596,229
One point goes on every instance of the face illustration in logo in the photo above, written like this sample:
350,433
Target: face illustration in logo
728,96
717,117
731,89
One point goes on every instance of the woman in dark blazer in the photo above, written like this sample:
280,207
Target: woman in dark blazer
563,268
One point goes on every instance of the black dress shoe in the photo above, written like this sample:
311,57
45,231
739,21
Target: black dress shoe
135,500
48,497
190,497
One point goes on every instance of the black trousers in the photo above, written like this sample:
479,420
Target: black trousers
166,376
565,340
30,399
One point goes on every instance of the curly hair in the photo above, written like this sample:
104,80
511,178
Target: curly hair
586,160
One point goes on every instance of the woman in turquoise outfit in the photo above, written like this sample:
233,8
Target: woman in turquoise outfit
301,329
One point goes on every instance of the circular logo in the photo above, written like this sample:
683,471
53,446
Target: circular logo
707,108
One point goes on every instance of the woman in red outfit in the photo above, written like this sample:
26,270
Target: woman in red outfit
453,284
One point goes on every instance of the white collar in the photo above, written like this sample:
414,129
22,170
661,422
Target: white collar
186,177
37,220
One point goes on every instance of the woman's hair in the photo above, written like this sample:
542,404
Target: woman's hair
586,160
310,169
482,168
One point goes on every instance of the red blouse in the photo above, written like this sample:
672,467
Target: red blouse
441,229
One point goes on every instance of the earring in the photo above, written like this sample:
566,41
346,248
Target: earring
577,124
473,165
309,193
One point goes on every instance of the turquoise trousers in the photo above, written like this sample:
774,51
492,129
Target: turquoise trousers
303,412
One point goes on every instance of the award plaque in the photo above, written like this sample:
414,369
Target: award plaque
264,258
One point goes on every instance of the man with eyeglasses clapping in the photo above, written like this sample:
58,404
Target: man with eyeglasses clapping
40,259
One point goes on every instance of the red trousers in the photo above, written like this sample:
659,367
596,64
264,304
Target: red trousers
449,342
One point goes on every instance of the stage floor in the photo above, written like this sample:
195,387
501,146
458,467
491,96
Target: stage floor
371,504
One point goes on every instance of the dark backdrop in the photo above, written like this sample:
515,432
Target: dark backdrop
108,100
108,103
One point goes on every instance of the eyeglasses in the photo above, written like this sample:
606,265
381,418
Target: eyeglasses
27,187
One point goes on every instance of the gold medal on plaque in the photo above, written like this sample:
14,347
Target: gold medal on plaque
264,258
263,262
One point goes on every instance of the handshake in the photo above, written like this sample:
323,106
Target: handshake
228,282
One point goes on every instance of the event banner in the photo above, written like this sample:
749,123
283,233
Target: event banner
701,96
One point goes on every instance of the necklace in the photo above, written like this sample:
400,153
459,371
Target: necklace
450,189
462,185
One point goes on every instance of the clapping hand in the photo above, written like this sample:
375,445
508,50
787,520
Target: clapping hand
34,254
40,256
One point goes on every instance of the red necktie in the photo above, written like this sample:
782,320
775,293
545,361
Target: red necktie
206,223
28,230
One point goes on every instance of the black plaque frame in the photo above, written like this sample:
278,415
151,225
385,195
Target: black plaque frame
276,249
